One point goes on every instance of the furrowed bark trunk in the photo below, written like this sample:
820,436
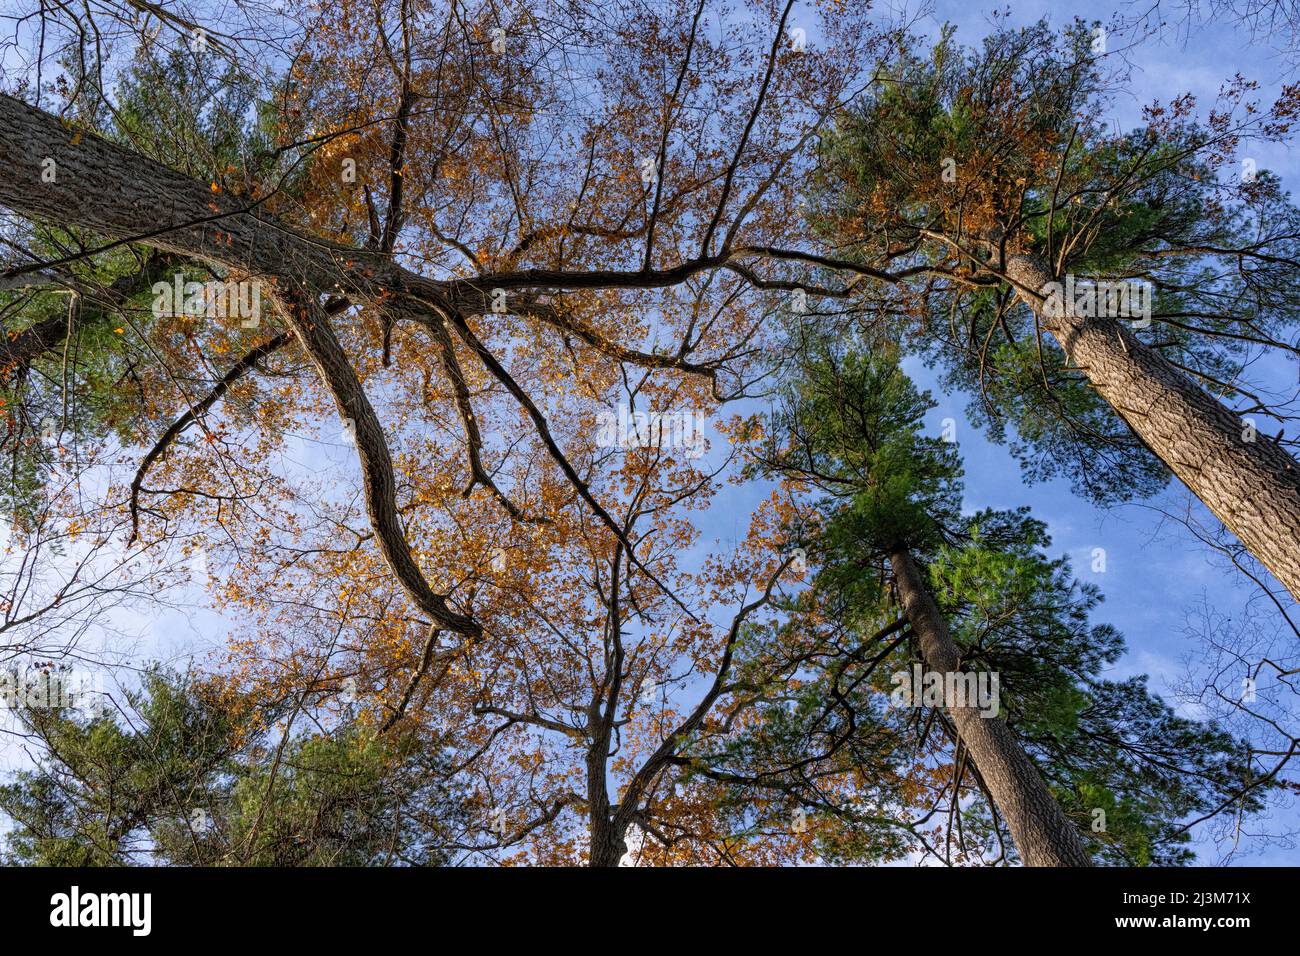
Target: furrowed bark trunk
1252,486
608,835
607,845
109,190
1041,831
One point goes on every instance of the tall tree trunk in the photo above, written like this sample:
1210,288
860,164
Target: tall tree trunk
111,191
1041,831
607,834
1250,483
608,846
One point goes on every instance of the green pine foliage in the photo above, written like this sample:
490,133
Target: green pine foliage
175,778
1162,203
1125,767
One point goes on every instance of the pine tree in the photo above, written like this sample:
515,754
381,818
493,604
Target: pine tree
185,774
989,174
1078,766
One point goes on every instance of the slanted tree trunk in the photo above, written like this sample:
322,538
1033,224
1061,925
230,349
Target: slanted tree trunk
1041,831
1250,483
111,191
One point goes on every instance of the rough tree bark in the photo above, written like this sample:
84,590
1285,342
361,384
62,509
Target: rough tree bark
111,191
1041,831
310,324
1251,484
607,830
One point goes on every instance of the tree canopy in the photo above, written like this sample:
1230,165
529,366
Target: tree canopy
520,403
